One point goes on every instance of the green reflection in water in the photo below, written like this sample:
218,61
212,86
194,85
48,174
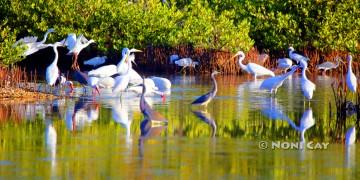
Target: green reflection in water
110,145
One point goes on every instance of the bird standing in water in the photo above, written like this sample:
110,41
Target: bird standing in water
206,98
252,68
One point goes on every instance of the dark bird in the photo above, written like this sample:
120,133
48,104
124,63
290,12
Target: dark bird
148,112
206,98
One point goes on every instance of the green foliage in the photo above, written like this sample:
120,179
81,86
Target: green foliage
201,27
115,24
8,54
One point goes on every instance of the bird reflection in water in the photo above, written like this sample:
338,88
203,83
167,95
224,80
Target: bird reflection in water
50,142
153,124
84,112
206,117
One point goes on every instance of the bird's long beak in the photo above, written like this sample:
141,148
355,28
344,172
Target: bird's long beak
134,50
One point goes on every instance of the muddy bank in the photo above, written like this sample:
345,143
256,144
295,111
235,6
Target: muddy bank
18,94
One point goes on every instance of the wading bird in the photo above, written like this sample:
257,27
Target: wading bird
122,81
74,49
110,70
273,83
206,98
52,71
284,63
296,56
351,80
307,86
95,61
252,68
31,43
350,136
329,65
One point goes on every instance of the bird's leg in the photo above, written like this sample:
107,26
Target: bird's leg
75,64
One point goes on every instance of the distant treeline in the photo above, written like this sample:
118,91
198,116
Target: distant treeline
229,25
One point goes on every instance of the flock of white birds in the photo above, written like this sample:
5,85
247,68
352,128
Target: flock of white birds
122,77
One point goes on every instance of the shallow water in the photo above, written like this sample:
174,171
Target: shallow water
86,137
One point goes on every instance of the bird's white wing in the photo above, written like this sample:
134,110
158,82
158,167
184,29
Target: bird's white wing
259,70
95,61
103,71
82,39
121,83
70,41
26,40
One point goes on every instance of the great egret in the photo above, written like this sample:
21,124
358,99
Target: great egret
273,83
307,86
122,81
206,98
350,136
351,80
95,61
284,63
296,56
31,43
109,70
147,111
52,71
252,68
329,65
81,43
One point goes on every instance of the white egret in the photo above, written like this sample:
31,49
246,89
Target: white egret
252,68
109,70
31,43
81,43
350,136
122,81
206,98
273,83
52,71
96,61
150,88
307,86
296,56
85,80
351,80
284,63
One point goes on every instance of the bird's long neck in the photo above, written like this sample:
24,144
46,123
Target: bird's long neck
241,64
214,89
45,37
284,76
143,102
56,55
349,65
303,72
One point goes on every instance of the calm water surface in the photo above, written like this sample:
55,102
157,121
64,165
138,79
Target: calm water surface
86,137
